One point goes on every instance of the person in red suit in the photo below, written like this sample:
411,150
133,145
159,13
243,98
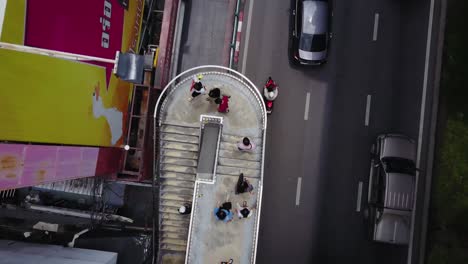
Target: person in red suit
223,104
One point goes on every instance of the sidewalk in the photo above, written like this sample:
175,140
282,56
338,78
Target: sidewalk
206,33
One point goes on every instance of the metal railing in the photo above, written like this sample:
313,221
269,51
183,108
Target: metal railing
204,119
234,34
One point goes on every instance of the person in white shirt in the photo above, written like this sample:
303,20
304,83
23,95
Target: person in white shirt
185,209
246,145
244,211
197,87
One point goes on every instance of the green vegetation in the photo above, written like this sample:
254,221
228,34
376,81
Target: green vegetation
448,227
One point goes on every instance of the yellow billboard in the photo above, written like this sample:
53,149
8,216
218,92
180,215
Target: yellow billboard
51,100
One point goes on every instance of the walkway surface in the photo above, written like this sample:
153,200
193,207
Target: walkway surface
210,240
206,33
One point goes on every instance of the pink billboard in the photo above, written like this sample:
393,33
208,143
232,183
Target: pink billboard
28,165
88,27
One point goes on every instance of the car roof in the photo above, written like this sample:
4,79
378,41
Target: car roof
314,17
397,146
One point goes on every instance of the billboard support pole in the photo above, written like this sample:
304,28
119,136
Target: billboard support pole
53,53
128,67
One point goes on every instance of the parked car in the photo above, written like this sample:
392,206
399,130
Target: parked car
310,31
391,189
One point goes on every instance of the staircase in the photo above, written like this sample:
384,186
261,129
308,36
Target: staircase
232,162
178,162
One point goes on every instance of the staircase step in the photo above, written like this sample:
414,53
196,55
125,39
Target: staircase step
170,209
180,146
183,130
179,154
177,183
236,171
165,209
176,190
176,223
245,132
233,147
177,217
174,235
171,257
235,139
236,154
178,168
178,176
179,161
173,248
181,231
181,242
179,138
176,197
239,163
172,203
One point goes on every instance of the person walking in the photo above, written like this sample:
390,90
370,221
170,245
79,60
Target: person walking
244,211
223,104
243,185
246,145
185,209
214,94
223,213
197,87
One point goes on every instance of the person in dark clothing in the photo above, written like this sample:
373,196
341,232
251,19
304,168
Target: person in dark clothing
185,209
214,93
243,185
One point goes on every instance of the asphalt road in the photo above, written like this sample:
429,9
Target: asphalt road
330,150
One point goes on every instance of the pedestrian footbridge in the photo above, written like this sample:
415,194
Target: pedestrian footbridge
197,161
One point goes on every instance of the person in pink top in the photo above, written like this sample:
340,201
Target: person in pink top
246,145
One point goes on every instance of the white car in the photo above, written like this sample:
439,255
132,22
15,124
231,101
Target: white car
391,189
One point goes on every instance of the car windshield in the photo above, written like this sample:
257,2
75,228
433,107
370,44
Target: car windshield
399,165
313,43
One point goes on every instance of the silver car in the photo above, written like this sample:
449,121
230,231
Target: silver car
391,188
310,32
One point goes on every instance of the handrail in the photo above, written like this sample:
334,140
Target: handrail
234,34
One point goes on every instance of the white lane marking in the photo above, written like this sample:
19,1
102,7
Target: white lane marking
306,110
359,197
368,105
239,26
421,127
376,26
247,36
298,190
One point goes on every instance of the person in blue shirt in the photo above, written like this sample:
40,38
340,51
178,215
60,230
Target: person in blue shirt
223,214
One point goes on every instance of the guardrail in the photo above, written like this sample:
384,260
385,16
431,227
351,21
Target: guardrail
234,34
